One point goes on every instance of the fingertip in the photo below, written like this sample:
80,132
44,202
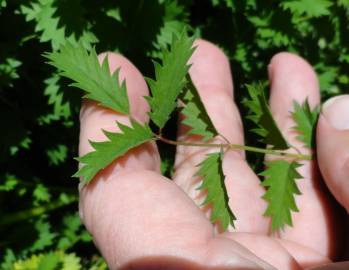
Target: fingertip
292,78
333,147
336,111
211,68
286,60
211,74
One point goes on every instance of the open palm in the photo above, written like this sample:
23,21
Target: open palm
138,217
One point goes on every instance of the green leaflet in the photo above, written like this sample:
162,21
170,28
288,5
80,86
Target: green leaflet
71,262
169,79
117,145
8,260
9,71
41,194
280,179
311,8
195,113
77,64
60,107
59,23
57,154
306,120
49,261
72,233
262,117
45,235
8,183
213,180
164,38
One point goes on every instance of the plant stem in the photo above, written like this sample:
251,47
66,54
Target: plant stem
274,152
36,211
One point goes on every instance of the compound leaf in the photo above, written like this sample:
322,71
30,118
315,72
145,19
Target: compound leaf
262,117
280,179
81,66
169,79
305,119
107,151
195,115
213,181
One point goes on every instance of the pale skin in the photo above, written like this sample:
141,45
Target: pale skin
136,215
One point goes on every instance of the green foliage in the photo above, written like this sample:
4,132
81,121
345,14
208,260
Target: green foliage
305,119
49,261
213,181
280,179
39,113
61,108
195,115
84,69
41,194
45,236
107,151
310,8
54,260
9,183
262,117
8,260
169,79
57,155
70,27
2,3
8,71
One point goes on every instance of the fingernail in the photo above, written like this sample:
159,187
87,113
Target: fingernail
336,111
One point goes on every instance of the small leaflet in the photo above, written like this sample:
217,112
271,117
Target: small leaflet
280,181
195,114
117,145
262,117
213,181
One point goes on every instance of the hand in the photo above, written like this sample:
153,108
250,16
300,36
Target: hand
140,219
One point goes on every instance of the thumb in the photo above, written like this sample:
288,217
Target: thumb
333,147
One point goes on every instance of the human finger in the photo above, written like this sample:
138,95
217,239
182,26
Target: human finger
293,79
333,147
211,75
94,119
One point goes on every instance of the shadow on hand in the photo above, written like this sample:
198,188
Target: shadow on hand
172,263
